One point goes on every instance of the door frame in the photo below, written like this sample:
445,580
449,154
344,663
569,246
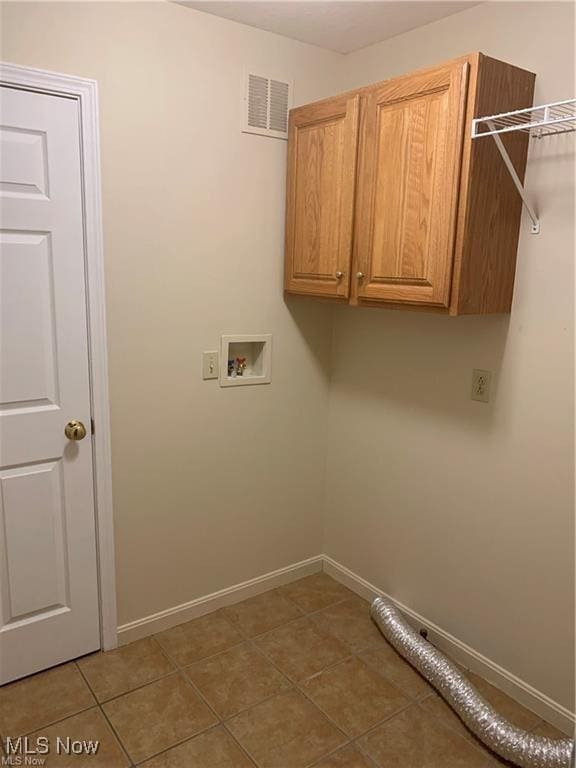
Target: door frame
85,91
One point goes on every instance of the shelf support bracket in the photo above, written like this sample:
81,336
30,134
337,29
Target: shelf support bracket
535,228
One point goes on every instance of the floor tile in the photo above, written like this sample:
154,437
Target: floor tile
354,697
262,613
286,731
505,706
41,699
301,649
436,706
213,749
315,592
348,757
350,622
199,638
114,672
387,662
236,679
417,739
90,725
158,716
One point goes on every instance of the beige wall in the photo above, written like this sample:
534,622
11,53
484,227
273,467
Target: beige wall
464,511
211,486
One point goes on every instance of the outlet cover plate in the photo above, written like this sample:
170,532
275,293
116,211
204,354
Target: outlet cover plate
481,381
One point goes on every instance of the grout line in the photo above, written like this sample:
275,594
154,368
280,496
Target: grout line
387,719
248,754
366,755
177,744
136,688
117,736
298,685
221,720
248,640
364,752
224,720
178,665
304,694
414,699
200,695
59,720
106,718
303,615
174,672
332,752
290,600
182,672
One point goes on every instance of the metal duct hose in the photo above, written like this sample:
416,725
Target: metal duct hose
503,738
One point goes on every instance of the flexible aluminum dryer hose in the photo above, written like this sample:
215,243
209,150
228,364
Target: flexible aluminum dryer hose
503,738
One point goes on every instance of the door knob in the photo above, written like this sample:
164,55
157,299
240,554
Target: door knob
75,430
359,275
339,275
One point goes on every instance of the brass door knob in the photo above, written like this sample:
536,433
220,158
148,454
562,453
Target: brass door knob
339,275
75,430
359,275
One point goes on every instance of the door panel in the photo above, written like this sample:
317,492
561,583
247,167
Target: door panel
24,161
37,569
28,373
48,594
320,207
408,187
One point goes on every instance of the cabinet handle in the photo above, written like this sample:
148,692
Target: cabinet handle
339,275
359,275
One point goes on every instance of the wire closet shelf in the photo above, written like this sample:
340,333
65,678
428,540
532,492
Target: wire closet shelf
545,120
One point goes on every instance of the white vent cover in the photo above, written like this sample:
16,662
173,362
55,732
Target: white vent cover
267,102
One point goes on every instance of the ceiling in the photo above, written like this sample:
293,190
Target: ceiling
339,25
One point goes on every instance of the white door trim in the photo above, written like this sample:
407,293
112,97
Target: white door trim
86,92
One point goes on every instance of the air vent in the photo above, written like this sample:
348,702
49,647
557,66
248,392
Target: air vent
267,105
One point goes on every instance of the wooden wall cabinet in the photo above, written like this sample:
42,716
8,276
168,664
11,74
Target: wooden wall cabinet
322,154
391,203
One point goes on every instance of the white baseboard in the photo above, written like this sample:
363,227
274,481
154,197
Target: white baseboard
157,622
519,690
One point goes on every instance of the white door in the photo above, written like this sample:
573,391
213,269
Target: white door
48,581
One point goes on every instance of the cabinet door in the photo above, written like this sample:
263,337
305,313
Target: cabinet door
322,149
408,187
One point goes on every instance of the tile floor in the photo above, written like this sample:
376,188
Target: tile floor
298,676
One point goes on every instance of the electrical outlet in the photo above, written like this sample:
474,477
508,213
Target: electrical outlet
481,385
210,366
